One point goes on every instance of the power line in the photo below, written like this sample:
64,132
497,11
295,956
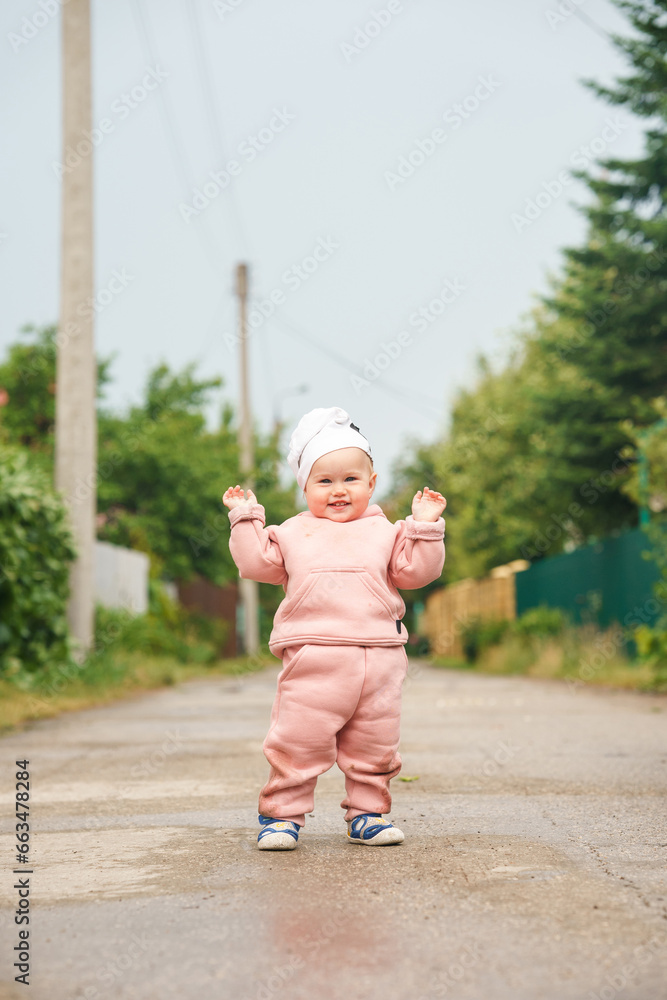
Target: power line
178,155
218,146
593,25
184,173
213,112
268,369
406,397
181,162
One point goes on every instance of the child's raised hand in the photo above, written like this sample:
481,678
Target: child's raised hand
428,505
235,497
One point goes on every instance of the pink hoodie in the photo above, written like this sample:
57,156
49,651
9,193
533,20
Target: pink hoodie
340,578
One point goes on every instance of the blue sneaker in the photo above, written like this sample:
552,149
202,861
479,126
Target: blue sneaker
277,835
371,828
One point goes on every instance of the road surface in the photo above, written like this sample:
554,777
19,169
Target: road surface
533,865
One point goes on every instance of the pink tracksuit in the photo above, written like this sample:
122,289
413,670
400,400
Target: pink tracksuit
340,635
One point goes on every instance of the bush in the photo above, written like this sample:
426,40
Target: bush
166,630
652,648
36,549
481,633
478,633
651,640
541,621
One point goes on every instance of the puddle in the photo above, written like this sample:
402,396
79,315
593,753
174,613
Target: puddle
100,863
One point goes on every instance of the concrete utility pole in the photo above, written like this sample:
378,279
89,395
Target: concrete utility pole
249,589
76,419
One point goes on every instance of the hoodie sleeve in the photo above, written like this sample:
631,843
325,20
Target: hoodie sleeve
418,554
254,548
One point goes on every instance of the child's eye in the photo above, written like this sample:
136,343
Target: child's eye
351,477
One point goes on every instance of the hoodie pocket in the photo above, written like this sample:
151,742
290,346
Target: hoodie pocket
330,592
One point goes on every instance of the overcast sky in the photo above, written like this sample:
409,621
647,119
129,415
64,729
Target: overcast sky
373,164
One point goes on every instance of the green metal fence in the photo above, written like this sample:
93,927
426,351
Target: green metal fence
608,581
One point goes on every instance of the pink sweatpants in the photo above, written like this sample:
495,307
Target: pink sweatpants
334,704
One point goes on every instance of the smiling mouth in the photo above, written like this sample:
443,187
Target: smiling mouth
339,503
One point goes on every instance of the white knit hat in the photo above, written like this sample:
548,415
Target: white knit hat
319,432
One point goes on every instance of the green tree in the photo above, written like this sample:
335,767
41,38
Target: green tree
550,469
161,473
651,443
501,482
28,392
606,317
161,476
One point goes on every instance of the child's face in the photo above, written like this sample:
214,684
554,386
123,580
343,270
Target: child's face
340,485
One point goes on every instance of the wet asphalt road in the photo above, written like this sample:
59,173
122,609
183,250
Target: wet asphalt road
533,865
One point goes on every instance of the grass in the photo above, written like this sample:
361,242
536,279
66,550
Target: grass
101,680
579,656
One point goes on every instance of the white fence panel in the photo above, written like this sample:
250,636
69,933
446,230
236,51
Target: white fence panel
121,577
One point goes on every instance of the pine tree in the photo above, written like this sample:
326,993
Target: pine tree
555,471
604,331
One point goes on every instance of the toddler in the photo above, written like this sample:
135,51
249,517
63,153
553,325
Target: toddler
338,630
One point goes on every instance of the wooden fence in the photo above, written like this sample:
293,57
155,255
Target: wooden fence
448,610
208,599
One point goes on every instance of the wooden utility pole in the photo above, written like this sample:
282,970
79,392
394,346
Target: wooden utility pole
249,588
76,421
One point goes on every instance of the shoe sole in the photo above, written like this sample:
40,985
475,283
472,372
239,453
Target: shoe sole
277,842
383,839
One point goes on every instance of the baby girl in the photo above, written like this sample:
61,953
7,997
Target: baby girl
338,630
